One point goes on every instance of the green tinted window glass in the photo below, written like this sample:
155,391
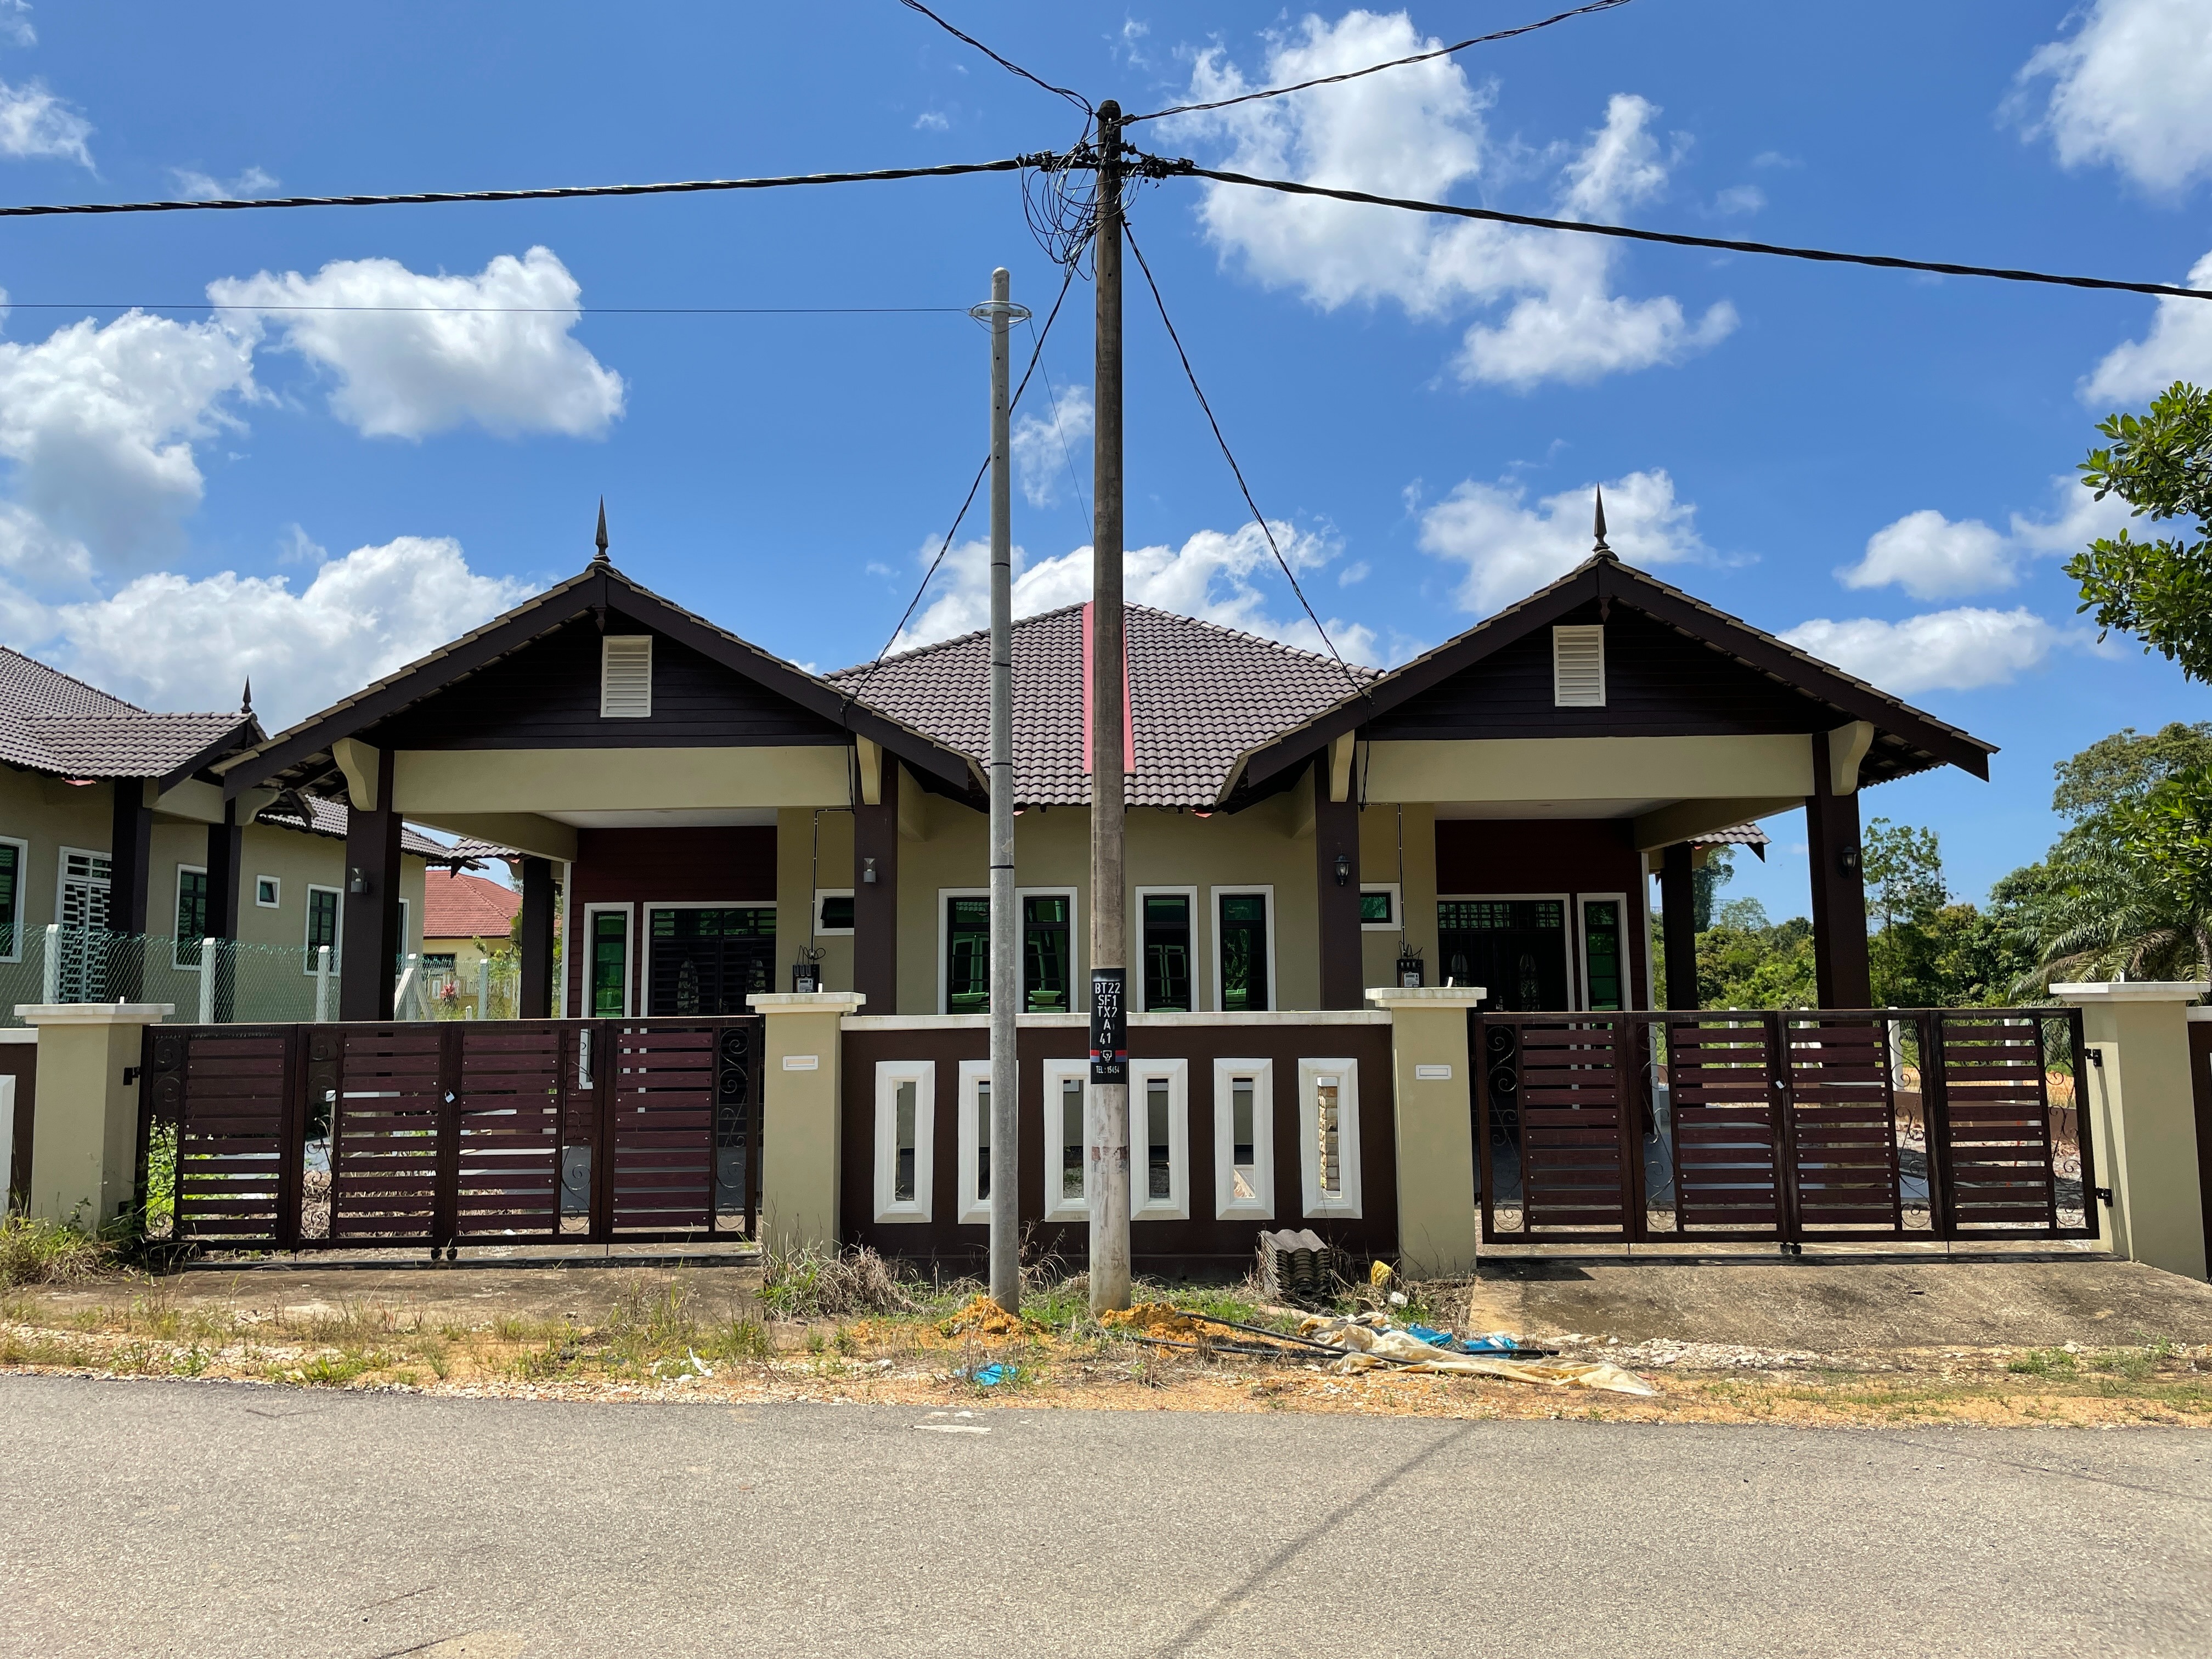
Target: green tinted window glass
1602,952
322,925
1243,940
837,910
1045,955
192,916
11,874
609,947
968,955
1167,953
1375,909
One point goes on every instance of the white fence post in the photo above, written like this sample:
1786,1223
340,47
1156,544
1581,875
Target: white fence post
322,984
483,988
208,970
51,982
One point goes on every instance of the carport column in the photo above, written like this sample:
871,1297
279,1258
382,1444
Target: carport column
130,863
2142,1108
536,988
875,887
1438,1227
801,1113
368,937
226,850
1678,923
84,1139
1336,836
1841,974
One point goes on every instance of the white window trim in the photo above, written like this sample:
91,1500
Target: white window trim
1346,1071
1582,956
1077,986
1057,1205
1213,897
630,953
1262,1205
337,943
14,952
821,929
1397,907
974,1206
889,1073
276,889
1175,1206
1139,1004
607,644
406,929
177,904
1569,915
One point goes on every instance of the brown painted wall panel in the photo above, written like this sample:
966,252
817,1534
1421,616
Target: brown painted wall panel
1550,855
547,695
1202,1244
735,865
1658,683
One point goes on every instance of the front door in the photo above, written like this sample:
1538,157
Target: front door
1514,949
703,960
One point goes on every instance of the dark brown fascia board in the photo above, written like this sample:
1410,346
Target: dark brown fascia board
1493,633
244,735
552,609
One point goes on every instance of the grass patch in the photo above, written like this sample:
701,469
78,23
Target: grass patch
808,1284
50,1253
2042,1362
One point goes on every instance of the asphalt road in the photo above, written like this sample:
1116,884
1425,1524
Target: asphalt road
205,1519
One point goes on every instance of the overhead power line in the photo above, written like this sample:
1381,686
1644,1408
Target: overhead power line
1071,95
593,311
1258,517
1375,69
2164,290
559,194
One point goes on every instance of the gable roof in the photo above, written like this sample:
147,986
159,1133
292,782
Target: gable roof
1907,739
456,905
55,723
302,752
1199,695
314,816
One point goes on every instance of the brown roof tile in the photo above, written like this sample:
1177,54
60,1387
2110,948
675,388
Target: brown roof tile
51,722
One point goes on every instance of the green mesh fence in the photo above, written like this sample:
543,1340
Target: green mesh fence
249,983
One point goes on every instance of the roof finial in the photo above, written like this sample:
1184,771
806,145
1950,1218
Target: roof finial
245,701
600,540
1601,551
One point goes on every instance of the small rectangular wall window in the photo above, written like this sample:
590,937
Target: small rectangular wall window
607,933
1166,919
975,1140
268,890
192,915
1578,666
1066,1140
322,925
1243,958
1379,908
1328,1136
1605,972
906,1113
1159,1140
1244,1138
13,856
626,677
833,912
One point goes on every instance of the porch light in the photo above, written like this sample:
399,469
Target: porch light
868,873
356,883
1343,869
1409,967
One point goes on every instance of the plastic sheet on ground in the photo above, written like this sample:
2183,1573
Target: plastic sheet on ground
1370,1343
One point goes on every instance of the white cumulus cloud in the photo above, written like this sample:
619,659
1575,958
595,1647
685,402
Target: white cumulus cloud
1418,132
1049,444
1213,575
2178,347
1933,557
34,123
1956,650
100,423
2128,87
500,354
198,187
171,642
1510,548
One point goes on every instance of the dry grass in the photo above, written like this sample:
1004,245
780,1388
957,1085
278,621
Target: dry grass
49,1253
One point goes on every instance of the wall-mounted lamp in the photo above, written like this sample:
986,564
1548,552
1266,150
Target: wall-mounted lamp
1343,869
868,873
356,883
1848,860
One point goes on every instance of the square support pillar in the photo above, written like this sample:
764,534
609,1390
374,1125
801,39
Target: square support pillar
1439,1225
129,859
536,1000
369,940
2139,1099
1841,974
875,893
1336,836
225,859
84,1140
1678,923
802,1114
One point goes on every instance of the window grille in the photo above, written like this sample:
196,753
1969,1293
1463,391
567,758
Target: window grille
1578,667
626,677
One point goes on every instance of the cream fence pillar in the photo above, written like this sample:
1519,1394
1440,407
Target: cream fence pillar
802,1111
1438,1224
84,1136
2141,1110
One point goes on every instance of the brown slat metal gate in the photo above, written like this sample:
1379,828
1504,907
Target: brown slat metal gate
1779,1125
443,1132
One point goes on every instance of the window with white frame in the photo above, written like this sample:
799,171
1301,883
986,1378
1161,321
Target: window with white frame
268,891
609,970
626,677
191,917
1378,907
1167,926
833,912
906,1110
1066,1140
975,1140
1159,1140
322,925
1328,1136
1243,949
1244,1138
14,860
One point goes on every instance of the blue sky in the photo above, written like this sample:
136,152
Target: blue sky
1874,463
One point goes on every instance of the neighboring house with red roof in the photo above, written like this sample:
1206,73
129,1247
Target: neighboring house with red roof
462,915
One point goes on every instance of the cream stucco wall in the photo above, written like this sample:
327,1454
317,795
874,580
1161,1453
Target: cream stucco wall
1378,867
799,871
49,814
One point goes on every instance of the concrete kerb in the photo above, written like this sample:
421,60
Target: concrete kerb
84,1138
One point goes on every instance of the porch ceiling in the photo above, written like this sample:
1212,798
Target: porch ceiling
1626,807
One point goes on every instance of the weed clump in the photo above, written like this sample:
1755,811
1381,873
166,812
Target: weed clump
49,1253
808,1284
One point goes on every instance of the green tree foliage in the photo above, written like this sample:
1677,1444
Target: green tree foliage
1744,961
2160,591
2122,769
1706,882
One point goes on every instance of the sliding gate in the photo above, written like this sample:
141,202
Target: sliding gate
1897,1123
445,1133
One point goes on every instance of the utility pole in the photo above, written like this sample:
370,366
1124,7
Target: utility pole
1004,1155
1109,1046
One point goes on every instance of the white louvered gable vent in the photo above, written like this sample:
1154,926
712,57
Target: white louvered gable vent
1578,667
626,677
